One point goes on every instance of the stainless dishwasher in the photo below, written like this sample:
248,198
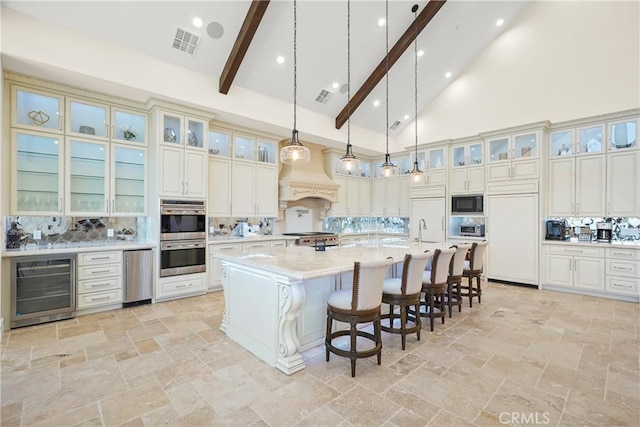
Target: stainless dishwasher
138,276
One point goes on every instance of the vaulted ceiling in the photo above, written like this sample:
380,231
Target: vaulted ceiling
450,41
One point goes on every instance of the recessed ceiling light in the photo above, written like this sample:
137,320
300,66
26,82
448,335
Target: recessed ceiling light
335,85
499,22
420,52
381,22
376,103
406,117
280,59
448,74
215,30
197,22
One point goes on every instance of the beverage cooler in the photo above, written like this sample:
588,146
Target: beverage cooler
42,289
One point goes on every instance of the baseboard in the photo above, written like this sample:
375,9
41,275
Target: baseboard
1,327
506,282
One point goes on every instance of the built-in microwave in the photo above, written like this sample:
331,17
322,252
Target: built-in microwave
182,220
467,204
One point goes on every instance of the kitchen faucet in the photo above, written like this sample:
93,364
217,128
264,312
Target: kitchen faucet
339,222
422,225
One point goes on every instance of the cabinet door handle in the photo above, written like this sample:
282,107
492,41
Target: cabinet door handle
113,130
101,298
100,271
619,285
577,208
622,254
61,121
106,129
99,257
99,285
618,268
183,286
608,207
186,185
113,205
570,265
442,223
229,207
182,191
60,204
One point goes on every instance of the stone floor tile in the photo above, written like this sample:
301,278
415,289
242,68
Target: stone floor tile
29,383
628,385
11,414
558,380
599,411
185,399
132,404
362,407
322,417
204,416
562,354
446,418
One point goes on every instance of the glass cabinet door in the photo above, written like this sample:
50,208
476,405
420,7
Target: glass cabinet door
38,110
498,149
590,139
37,171
195,133
88,119
129,172
129,126
458,156
172,129
623,135
404,165
525,146
219,144
243,148
266,151
87,178
366,170
475,154
436,158
561,143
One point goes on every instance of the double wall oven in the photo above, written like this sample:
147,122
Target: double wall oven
182,237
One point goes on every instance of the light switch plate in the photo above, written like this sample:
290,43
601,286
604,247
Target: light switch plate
109,232
212,230
37,234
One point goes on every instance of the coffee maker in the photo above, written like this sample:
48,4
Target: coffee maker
604,232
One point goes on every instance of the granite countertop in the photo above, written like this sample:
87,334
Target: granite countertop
630,244
304,263
66,248
218,239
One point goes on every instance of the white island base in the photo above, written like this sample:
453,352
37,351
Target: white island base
275,301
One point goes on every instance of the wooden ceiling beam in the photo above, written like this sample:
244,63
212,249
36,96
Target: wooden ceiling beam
240,47
394,54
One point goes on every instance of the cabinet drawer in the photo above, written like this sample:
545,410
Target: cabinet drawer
99,271
86,286
230,247
99,258
632,254
256,245
278,243
623,285
622,268
181,286
99,298
575,250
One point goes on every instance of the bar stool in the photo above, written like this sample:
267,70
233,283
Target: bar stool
360,304
454,281
473,269
434,284
405,292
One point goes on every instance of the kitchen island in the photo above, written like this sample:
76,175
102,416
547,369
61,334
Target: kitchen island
275,299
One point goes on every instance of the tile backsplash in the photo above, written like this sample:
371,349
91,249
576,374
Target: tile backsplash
356,225
60,230
222,226
624,228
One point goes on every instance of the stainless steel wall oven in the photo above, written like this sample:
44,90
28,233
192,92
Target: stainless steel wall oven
182,237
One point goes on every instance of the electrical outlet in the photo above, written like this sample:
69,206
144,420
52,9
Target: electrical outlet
37,234
212,230
109,232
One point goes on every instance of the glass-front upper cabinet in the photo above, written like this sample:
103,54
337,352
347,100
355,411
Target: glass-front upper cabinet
466,155
590,139
243,147
219,143
37,167
561,143
86,177
128,126
436,158
172,128
498,149
404,164
365,171
525,145
267,151
195,137
128,180
520,146
87,120
37,110
623,135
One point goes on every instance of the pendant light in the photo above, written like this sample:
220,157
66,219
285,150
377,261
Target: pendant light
295,153
416,174
387,169
349,164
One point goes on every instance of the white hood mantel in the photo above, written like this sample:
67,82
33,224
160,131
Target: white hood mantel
301,181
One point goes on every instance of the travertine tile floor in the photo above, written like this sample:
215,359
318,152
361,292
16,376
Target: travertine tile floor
523,356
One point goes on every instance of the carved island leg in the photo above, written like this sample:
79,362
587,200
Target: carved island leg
291,298
225,287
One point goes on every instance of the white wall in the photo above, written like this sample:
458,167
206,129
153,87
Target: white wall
560,60
3,184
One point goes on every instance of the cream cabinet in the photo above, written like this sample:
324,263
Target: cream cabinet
466,173
623,271
182,173
354,196
623,134
577,186
390,196
177,129
99,279
623,184
37,110
219,188
181,286
254,190
513,157
432,210
575,267
215,266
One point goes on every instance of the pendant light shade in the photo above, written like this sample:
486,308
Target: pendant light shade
295,153
416,174
387,169
349,164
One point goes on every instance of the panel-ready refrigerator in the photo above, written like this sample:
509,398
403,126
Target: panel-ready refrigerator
138,276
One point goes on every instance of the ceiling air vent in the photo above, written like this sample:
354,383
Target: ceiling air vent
186,41
323,96
395,125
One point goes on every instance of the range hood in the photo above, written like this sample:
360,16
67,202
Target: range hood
302,181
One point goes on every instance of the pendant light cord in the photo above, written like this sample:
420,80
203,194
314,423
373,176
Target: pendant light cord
295,62
348,73
415,47
386,63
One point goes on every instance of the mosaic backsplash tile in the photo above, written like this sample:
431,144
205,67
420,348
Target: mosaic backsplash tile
354,225
624,228
57,230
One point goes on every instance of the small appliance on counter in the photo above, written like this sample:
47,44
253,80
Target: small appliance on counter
557,230
468,229
604,232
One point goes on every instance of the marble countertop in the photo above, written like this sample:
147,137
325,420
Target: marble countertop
629,244
305,263
219,239
66,248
